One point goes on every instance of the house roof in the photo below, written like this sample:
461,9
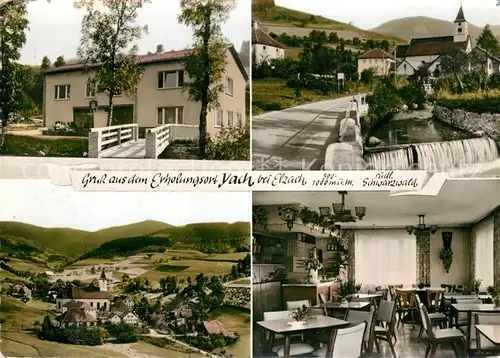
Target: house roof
492,57
260,37
74,292
75,316
428,46
215,327
460,15
119,308
377,53
149,58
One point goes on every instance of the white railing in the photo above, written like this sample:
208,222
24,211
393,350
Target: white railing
159,138
107,137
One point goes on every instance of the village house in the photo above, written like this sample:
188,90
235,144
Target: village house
377,60
96,299
427,51
482,60
215,327
128,301
160,97
20,291
77,313
264,47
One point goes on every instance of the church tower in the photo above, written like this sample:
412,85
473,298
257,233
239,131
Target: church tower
103,282
461,27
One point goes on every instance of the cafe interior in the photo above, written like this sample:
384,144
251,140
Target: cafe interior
377,274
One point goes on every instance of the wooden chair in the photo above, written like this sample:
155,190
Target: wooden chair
356,317
392,291
386,313
293,305
348,343
461,319
434,300
436,318
438,337
405,301
296,349
322,301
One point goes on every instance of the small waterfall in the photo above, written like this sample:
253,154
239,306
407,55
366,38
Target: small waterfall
399,159
444,156
435,157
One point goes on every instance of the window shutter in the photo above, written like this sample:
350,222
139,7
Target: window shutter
55,92
68,88
160,79
180,78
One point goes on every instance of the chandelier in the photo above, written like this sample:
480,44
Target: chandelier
421,229
339,213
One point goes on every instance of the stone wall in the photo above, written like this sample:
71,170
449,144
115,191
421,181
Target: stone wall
487,123
237,296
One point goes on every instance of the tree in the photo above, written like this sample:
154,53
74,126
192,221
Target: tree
206,63
45,63
245,53
487,41
454,64
60,61
108,40
12,39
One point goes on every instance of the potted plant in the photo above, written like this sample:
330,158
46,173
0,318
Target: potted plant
495,295
446,257
475,285
300,315
312,265
421,285
346,290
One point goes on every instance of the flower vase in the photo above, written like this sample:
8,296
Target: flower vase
313,277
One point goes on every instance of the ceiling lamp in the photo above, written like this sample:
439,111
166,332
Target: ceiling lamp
421,229
341,213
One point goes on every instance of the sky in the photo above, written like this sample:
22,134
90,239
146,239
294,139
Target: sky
38,202
367,14
55,28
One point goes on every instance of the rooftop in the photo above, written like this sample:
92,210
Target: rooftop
377,53
74,292
260,37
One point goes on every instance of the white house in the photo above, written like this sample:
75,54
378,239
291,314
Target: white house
489,63
378,60
98,300
264,47
427,51
130,318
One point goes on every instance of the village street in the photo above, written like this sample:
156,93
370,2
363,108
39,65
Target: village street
296,138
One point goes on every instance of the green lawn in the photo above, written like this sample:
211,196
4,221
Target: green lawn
147,348
23,265
236,320
272,94
17,342
18,145
193,268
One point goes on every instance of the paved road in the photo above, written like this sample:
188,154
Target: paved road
296,138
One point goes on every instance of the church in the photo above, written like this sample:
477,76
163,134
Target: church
427,51
95,298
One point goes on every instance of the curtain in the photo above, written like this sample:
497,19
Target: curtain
484,252
385,257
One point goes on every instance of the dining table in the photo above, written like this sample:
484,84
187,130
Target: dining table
490,331
286,328
469,308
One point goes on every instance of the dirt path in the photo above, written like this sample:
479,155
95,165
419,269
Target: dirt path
127,350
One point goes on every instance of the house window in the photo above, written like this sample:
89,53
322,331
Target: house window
91,304
218,119
59,305
239,119
61,91
229,86
104,305
170,79
90,90
98,305
171,115
230,119
459,30
264,47
404,66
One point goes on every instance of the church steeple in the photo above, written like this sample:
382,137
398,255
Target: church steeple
103,282
460,16
461,27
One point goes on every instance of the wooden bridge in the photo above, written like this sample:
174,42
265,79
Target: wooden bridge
123,141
